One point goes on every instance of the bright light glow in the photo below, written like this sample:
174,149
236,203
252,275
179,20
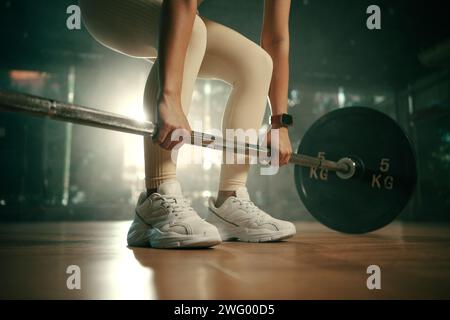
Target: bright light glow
206,194
379,99
341,97
135,110
133,146
131,280
25,75
189,154
207,88
208,159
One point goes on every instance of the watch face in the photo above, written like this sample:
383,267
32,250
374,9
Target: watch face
286,119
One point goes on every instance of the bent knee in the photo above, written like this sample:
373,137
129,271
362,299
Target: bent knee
266,62
258,67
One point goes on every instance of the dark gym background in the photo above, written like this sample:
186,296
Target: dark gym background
58,171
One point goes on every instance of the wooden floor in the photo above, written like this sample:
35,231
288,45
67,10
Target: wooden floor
316,264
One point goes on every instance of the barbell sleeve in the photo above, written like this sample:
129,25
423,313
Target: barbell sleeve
18,102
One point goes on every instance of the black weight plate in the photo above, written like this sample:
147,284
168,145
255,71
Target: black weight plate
381,188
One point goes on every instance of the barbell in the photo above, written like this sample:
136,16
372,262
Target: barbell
375,168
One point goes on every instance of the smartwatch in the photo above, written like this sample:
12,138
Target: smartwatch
283,120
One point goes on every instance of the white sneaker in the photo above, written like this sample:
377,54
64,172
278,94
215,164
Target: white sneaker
239,219
166,220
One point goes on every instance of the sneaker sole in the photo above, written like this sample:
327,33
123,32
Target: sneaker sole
142,235
230,232
198,243
256,238
154,238
168,240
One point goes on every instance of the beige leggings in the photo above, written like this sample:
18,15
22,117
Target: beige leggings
215,51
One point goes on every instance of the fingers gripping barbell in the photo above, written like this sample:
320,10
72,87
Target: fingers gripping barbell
375,168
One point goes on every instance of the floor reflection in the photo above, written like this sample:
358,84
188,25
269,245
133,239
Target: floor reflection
316,264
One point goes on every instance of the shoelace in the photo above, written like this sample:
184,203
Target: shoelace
250,207
178,205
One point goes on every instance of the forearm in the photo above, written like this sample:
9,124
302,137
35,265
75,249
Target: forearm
275,40
279,85
176,27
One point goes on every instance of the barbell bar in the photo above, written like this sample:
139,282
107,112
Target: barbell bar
38,106
375,174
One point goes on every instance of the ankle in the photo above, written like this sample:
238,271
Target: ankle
222,196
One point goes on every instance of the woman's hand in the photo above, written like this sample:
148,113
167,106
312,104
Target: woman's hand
170,117
284,146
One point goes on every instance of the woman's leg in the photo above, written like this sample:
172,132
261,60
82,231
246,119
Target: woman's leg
159,165
131,27
248,68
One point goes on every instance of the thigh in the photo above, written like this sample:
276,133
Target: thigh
246,67
128,26
231,56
